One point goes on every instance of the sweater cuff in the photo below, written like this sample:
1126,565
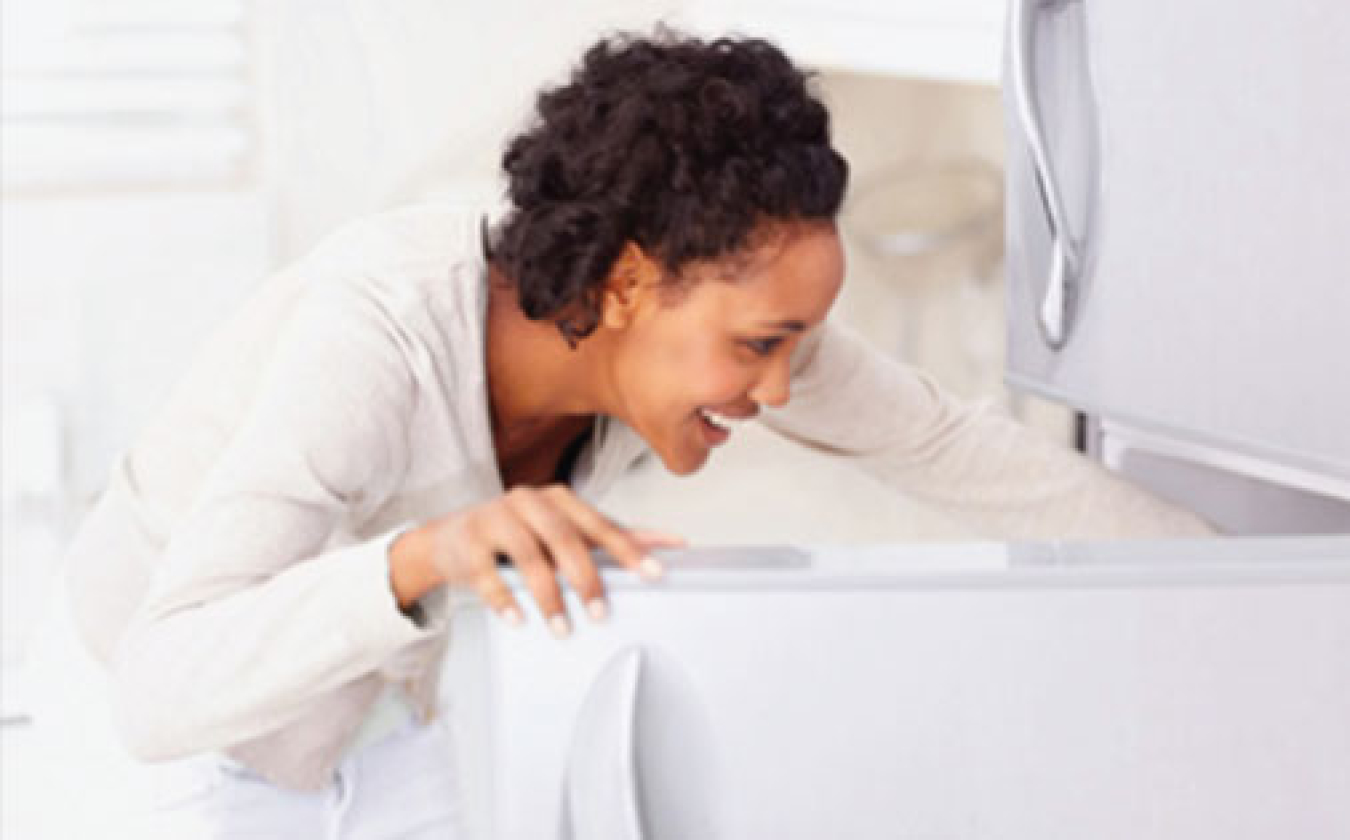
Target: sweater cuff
376,621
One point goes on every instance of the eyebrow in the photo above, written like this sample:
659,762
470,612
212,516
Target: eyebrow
794,326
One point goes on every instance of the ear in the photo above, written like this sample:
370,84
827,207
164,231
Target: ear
631,281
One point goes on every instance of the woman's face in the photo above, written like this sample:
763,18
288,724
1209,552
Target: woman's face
720,347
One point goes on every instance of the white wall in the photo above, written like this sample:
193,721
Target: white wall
385,102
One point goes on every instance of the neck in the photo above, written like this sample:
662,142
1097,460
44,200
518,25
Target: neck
536,381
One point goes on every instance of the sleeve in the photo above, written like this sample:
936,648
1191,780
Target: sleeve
1001,478
247,615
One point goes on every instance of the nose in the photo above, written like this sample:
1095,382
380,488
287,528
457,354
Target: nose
774,386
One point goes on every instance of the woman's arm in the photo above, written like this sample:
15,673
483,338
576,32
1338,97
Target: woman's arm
248,615
1000,477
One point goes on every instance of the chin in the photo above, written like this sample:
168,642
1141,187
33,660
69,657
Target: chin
682,464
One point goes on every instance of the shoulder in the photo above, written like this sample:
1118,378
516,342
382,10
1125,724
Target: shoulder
405,237
410,265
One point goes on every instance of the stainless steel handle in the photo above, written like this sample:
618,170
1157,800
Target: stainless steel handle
1058,306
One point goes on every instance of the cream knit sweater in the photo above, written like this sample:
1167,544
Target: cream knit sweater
234,575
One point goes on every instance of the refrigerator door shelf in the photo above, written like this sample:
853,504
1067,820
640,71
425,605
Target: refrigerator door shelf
1188,689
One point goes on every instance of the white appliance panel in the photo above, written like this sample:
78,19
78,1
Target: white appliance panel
1168,690
1198,151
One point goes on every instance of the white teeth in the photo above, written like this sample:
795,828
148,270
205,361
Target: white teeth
713,419
722,422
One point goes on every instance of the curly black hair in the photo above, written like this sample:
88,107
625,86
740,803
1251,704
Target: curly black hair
681,145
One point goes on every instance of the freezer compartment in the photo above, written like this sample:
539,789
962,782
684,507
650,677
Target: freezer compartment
1189,689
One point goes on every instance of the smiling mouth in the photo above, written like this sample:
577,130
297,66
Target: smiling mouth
720,425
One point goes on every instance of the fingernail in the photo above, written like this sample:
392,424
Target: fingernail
512,616
650,569
598,609
559,626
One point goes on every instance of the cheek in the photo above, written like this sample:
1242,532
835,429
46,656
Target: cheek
676,378
705,375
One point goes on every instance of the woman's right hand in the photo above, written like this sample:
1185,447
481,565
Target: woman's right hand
543,531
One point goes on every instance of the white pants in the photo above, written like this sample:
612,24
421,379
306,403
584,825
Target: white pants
82,783
400,787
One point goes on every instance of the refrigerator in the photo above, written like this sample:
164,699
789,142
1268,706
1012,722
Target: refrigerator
1178,266
1195,690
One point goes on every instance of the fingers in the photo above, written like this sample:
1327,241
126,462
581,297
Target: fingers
600,531
566,547
544,533
470,549
497,595
467,557
513,536
648,540
657,539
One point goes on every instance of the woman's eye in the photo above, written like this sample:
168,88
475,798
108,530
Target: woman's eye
763,346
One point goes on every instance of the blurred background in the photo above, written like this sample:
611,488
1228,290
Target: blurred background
161,159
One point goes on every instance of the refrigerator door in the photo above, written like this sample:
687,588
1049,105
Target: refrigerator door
1178,191
1190,689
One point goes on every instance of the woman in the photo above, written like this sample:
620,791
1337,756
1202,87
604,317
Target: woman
421,400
